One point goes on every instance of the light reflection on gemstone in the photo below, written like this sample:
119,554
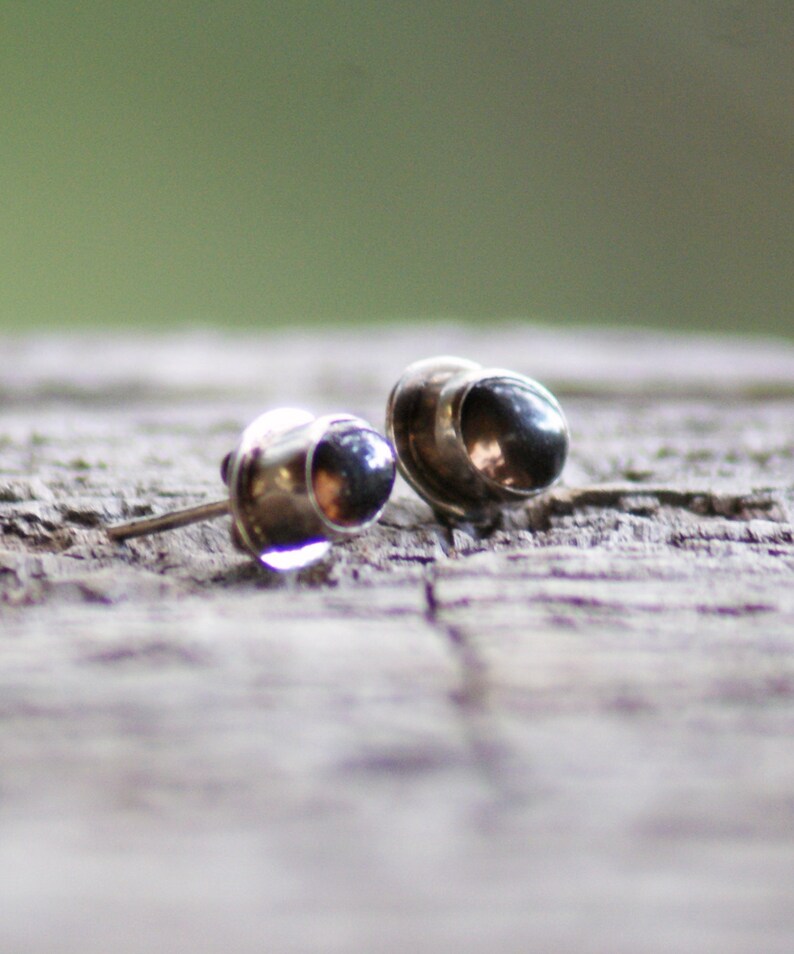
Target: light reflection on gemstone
487,456
296,557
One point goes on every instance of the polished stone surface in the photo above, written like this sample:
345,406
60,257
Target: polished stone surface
352,475
513,435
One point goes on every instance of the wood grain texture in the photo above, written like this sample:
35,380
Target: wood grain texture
574,735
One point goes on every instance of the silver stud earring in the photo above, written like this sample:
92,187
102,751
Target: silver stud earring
472,440
296,483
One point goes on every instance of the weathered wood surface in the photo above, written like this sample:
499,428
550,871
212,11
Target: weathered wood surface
576,735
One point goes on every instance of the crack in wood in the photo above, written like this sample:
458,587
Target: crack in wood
490,752
472,694
647,500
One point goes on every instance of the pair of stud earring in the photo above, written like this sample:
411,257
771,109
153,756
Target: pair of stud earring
469,440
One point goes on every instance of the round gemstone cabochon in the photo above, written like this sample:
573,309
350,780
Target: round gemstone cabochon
352,474
514,435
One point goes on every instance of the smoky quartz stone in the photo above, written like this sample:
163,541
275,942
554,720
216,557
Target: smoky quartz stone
513,435
352,473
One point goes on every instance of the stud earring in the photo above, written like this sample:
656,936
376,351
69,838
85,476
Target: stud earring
472,440
296,483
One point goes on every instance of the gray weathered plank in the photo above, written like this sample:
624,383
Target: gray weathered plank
575,734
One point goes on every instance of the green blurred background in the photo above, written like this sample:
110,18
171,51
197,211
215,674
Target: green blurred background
261,161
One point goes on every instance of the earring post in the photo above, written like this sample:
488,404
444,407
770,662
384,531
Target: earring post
168,521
